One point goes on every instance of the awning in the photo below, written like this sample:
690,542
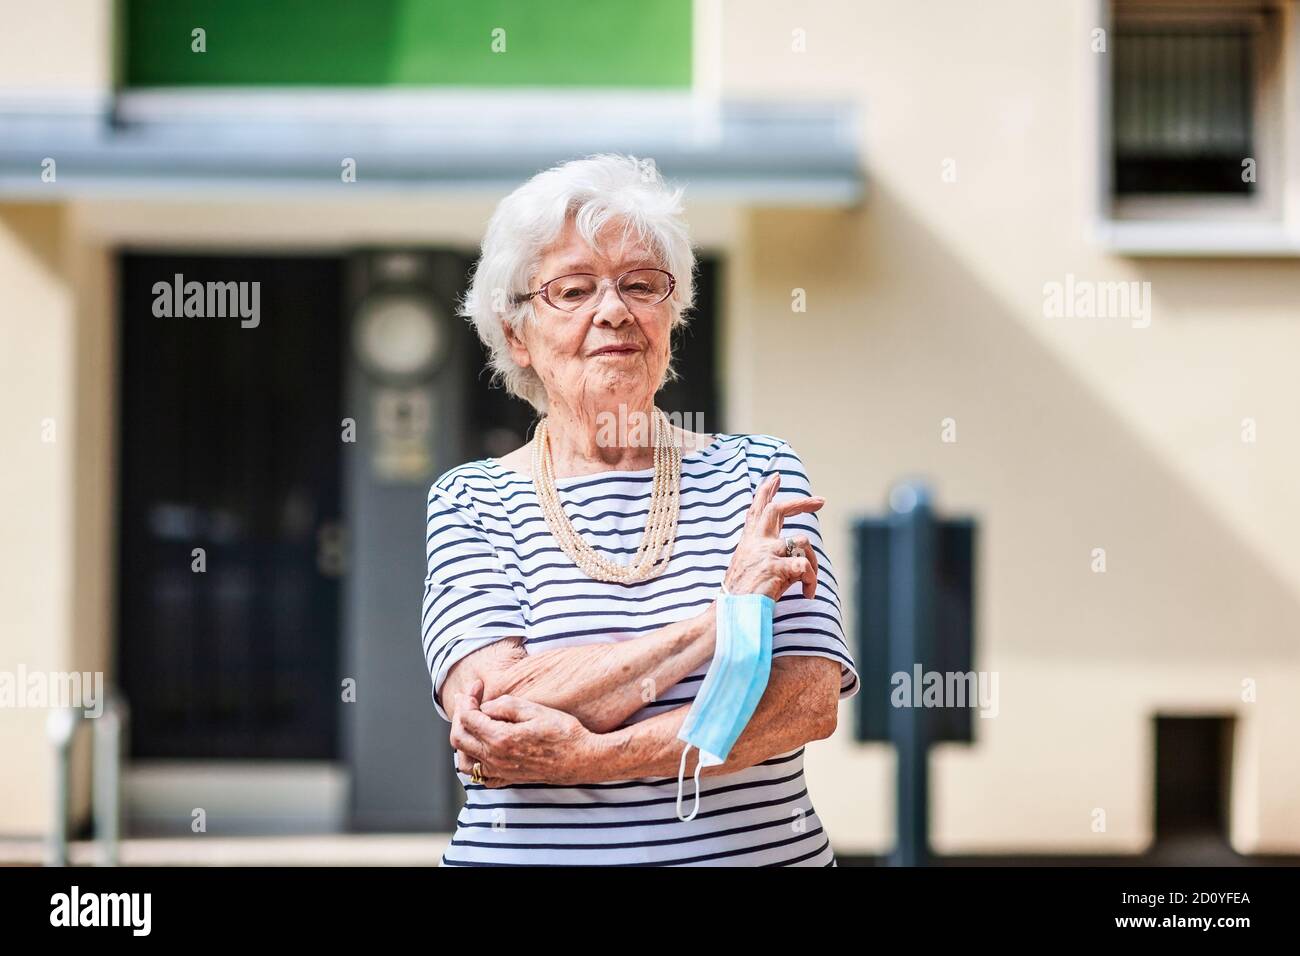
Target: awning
143,143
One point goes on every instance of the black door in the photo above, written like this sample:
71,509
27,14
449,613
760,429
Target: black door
230,490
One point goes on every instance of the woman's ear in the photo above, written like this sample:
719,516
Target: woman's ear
518,348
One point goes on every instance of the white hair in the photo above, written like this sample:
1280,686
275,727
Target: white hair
594,192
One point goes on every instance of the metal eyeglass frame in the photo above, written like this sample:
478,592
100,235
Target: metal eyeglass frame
542,290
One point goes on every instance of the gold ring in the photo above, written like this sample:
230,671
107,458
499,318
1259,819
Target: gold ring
476,773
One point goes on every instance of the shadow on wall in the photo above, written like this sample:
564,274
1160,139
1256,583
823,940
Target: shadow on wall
1043,461
36,229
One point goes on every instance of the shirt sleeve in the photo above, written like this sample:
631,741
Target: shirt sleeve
468,600
800,626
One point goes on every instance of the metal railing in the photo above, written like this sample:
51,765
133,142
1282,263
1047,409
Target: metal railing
106,778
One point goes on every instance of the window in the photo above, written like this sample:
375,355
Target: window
1195,113
1183,108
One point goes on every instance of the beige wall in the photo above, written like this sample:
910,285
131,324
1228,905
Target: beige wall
926,303
58,49
56,381
38,434
1071,433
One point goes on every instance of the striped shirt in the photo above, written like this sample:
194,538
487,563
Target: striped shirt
495,571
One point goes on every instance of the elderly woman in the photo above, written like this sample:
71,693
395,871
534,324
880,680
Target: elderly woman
571,606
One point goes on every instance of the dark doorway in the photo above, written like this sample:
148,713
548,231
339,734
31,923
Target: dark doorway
1193,770
230,443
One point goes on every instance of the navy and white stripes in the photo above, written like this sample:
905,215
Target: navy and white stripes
494,571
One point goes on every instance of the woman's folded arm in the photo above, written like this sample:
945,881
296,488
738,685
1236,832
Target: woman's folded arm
599,684
800,704
519,741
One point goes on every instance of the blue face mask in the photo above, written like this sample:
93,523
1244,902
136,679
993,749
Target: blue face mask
732,687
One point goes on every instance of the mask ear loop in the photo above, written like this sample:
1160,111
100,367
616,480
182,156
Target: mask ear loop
681,779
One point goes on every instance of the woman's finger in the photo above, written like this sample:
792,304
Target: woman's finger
495,783
762,495
478,725
793,569
490,778
794,506
801,546
809,579
465,762
798,506
514,709
756,502
775,489
774,514
473,730
465,741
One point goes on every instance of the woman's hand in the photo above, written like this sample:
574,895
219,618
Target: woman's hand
759,564
518,741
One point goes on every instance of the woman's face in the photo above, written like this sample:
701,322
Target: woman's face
604,354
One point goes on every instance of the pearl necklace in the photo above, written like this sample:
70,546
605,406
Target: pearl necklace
656,548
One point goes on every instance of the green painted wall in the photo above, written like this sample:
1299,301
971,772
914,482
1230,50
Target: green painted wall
627,43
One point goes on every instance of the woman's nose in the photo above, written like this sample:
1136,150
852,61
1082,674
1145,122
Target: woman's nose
611,310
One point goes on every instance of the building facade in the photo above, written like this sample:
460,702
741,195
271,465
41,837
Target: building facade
934,250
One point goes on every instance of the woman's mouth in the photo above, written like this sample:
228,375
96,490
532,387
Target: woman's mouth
617,350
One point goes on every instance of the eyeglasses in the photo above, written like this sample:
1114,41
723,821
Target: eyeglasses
573,293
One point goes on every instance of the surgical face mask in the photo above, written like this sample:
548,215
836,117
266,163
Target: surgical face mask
732,687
